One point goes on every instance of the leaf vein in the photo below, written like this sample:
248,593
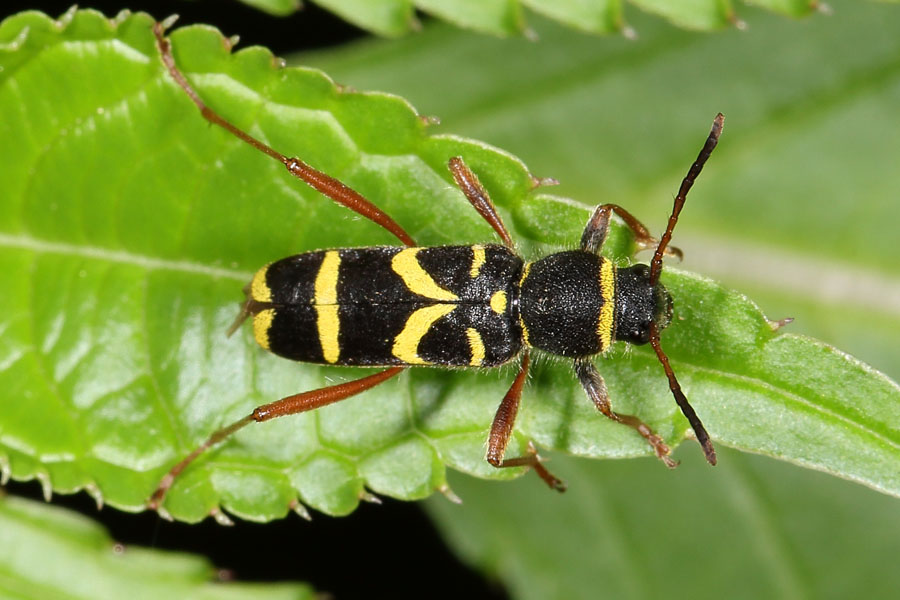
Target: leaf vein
151,263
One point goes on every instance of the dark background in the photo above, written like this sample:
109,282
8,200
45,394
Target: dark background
391,549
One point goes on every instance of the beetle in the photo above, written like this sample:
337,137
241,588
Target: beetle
475,306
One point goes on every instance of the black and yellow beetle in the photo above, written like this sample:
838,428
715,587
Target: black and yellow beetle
454,306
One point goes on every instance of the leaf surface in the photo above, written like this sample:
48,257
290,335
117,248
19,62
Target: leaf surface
383,17
48,552
275,7
130,226
510,18
629,530
791,210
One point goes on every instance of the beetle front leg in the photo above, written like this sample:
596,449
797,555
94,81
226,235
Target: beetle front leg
319,181
598,226
479,198
595,388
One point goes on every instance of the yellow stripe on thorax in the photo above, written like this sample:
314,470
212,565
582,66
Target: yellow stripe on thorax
477,261
606,322
406,344
325,301
417,279
476,345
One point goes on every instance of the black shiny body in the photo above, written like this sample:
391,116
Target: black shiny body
461,306
562,299
638,303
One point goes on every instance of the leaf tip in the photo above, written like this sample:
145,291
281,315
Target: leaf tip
66,18
93,490
168,22
344,89
231,41
46,486
16,42
429,120
221,518
297,507
122,16
449,494
157,506
822,8
537,182
367,496
737,22
776,325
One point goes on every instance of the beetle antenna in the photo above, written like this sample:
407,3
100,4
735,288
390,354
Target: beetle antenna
656,269
681,399
686,183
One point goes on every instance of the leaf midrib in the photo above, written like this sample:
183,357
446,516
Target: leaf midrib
31,243
27,242
749,381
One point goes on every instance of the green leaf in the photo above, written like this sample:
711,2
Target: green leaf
692,14
131,226
125,260
508,18
614,122
279,8
48,552
593,16
805,132
389,18
630,530
792,8
498,17
804,135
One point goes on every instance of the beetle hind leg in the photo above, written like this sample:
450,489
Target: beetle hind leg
289,405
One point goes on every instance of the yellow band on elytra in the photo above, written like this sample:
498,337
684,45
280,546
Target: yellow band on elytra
325,301
406,344
417,279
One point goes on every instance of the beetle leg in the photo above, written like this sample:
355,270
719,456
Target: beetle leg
598,226
316,179
289,405
595,388
478,198
596,230
501,430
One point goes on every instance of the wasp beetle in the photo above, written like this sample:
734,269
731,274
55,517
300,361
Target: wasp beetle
454,306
